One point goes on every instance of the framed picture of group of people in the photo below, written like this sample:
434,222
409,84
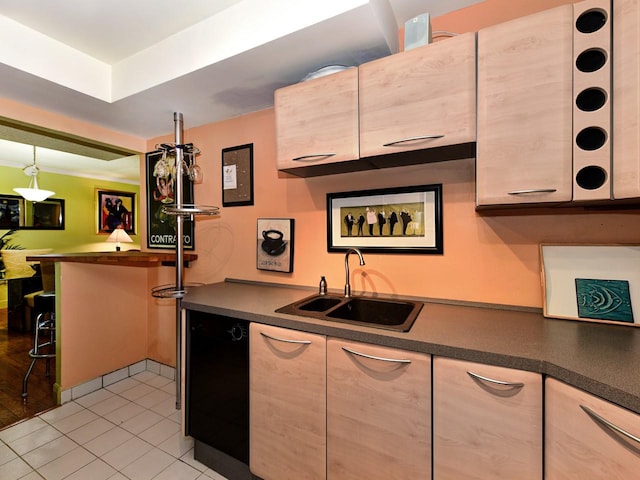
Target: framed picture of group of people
390,220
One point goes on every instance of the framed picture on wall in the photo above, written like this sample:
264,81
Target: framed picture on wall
115,209
388,220
275,244
237,176
160,182
592,283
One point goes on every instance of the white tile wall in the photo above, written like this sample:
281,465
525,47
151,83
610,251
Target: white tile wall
162,374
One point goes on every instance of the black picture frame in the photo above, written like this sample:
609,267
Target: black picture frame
387,220
237,176
16,213
160,192
275,242
114,209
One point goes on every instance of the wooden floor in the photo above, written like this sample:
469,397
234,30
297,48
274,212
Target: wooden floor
14,361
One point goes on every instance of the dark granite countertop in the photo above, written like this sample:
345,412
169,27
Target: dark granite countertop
599,358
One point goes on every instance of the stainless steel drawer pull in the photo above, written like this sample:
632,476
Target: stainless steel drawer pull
413,139
286,340
495,382
533,190
313,156
372,357
597,418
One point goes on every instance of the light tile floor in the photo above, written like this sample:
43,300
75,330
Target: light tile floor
128,430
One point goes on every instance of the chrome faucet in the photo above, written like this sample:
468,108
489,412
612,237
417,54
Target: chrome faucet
347,286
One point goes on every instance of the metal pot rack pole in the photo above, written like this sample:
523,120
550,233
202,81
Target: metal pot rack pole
178,123
180,210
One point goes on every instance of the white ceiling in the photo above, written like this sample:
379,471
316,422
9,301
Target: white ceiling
128,65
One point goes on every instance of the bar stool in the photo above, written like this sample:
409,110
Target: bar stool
45,335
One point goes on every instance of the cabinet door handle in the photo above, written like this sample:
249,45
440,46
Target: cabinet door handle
286,340
598,419
413,139
313,156
495,382
533,190
372,357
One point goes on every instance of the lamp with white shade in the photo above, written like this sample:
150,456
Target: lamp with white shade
119,235
33,193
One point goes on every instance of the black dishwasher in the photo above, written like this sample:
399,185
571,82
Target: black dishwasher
217,392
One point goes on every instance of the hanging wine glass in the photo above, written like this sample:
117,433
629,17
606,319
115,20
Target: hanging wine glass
192,169
195,173
162,168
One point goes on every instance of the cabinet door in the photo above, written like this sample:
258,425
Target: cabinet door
525,105
287,405
317,121
626,99
587,437
378,412
487,421
419,99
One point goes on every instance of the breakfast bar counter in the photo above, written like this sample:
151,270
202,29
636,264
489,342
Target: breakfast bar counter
106,317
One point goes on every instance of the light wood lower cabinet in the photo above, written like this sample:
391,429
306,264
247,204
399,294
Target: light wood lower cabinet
588,438
378,412
287,406
487,422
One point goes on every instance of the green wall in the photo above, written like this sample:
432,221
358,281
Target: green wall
79,194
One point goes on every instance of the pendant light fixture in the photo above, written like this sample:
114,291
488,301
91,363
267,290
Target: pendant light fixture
33,193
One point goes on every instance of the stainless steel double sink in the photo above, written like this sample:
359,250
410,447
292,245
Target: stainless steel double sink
389,314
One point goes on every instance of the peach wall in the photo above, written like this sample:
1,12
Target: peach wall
487,258
161,326
102,323
491,12
43,118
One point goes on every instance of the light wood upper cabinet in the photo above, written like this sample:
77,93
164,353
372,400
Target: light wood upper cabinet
317,121
487,421
378,412
525,105
626,98
588,437
426,94
287,406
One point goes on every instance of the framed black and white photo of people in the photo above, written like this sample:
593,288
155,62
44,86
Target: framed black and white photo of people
389,220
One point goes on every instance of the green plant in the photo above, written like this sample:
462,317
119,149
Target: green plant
6,241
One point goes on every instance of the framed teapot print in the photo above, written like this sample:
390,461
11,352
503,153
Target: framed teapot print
275,244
